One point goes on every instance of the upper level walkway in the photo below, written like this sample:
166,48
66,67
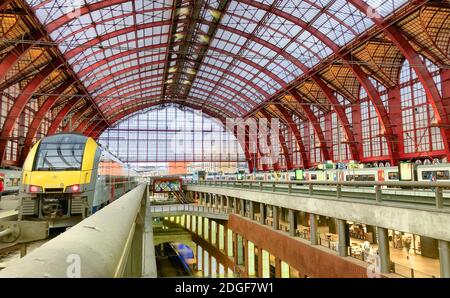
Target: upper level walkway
417,208
190,209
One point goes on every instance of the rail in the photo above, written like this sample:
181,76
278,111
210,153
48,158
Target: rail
189,208
428,193
110,243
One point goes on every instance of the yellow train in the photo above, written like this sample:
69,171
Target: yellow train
67,177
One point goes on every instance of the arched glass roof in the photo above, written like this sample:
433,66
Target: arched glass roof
230,54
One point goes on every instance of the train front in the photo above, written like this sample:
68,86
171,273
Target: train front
57,179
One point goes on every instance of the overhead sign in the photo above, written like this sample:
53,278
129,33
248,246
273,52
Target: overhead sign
167,185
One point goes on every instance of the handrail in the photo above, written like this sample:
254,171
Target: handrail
423,184
106,244
435,188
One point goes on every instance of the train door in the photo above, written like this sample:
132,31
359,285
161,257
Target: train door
341,176
380,176
2,183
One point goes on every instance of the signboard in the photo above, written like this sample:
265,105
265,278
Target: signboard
298,174
164,185
406,171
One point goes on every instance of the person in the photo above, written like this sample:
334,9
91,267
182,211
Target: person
407,246
366,247
1,189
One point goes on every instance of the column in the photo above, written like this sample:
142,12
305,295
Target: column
260,263
228,202
313,229
242,211
262,211
235,205
250,260
444,258
252,210
383,249
246,253
342,232
275,218
292,223
277,268
221,202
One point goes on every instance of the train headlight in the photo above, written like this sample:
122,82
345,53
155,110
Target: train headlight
35,189
73,188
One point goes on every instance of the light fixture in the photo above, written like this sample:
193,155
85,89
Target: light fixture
172,69
183,11
178,36
204,38
169,81
191,71
186,82
215,13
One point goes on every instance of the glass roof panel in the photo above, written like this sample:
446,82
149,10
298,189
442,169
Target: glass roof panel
122,46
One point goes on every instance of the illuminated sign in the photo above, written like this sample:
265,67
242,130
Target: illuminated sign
298,174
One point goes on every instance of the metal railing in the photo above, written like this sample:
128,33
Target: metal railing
113,242
409,272
189,208
426,193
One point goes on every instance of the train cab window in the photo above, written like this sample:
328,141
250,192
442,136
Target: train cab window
442,175
370,178
392,175
426,175
60,152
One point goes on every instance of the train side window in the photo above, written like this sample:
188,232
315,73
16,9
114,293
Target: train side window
426,175
442,175
370,178
393,175
313,177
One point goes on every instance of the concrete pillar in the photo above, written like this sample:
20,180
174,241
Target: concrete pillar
240,250
383,249
235,205
292,223
252,210
275,217
242,211
342,232
444,258
221,202
245,256
277,268
313,229
199,258
262,210
228,202
260,263
250,259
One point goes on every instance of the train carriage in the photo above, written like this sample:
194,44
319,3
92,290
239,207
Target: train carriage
66,177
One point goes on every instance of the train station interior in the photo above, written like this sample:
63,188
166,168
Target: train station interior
225,138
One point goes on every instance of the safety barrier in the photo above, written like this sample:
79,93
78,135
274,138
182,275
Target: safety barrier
113,242
216,212
426,193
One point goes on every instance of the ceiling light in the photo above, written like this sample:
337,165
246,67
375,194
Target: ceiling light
169,81
178,36
191,71
172,69
204,38
215,13
186,82
183,11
